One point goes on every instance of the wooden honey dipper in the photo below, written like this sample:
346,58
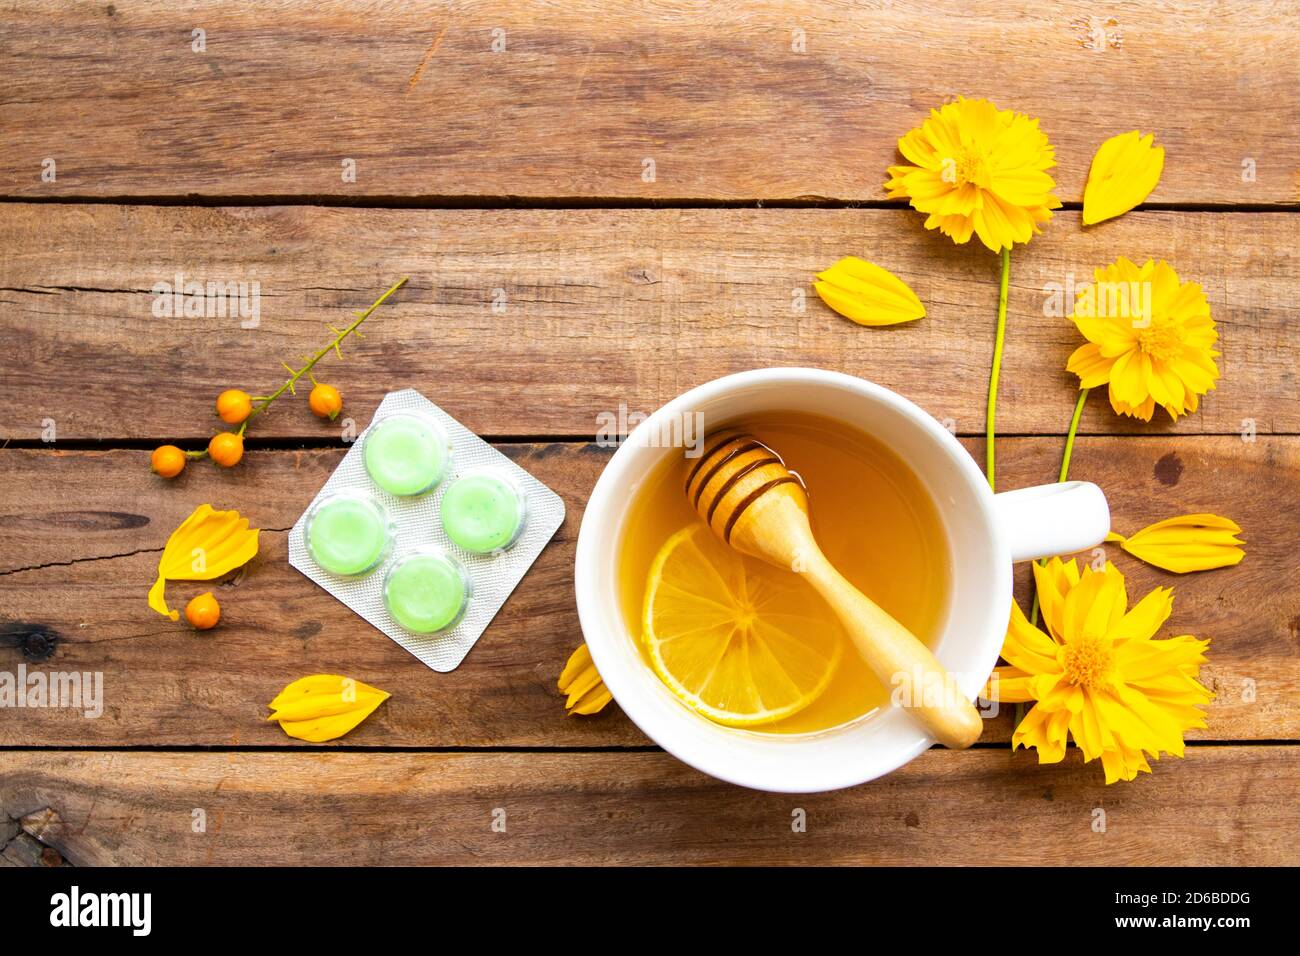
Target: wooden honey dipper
744,492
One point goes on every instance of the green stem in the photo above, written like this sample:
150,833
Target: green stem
339,336
311,362
1069,437
1065,473
996,371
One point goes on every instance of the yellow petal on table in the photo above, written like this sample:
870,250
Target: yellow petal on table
323,695
867,294
324,706
1123,174
1198,542
207,545
320,729
580,680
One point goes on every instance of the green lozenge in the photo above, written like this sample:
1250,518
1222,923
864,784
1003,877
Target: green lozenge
426,591
483,511
347,534
406,454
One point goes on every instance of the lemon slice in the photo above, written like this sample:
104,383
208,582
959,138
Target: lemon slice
742,643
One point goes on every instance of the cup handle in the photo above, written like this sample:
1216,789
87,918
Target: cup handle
1048,520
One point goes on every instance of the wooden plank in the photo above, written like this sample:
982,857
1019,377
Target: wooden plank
984,807
800,98
603,309
91,553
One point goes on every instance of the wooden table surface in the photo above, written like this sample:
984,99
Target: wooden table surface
505,146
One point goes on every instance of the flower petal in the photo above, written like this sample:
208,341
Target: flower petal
1124,172
1026,647
1053,581
1008,685
206,545
1146,617
867,294
1039,730
1090,365
581,682
324,706
1195,542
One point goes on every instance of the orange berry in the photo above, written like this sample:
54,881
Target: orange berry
325,402
233,406
167,461
203,612
226,448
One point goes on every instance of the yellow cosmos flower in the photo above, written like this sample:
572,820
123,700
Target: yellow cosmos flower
1199,542
1150,338
978,169
867,294
1123,174
1097,675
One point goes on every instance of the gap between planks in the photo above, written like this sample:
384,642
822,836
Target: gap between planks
299,750
566,203
296,444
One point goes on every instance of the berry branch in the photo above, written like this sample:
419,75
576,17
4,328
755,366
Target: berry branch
238,407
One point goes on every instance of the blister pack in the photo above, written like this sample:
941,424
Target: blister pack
424,529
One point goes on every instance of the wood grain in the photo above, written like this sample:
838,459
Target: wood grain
604,309
721,97
617,307
78,560
978,808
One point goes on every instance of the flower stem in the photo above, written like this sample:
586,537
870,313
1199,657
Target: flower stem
996,371
261,402
1065,472
333,345
1069,437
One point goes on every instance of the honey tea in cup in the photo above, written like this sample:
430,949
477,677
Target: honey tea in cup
737,667
750,645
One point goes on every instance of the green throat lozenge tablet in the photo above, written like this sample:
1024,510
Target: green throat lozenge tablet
406,454
348,533
483,511
426,591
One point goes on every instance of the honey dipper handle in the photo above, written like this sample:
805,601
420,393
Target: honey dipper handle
899,659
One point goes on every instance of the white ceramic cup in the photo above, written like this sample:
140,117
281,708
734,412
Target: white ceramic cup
985,534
